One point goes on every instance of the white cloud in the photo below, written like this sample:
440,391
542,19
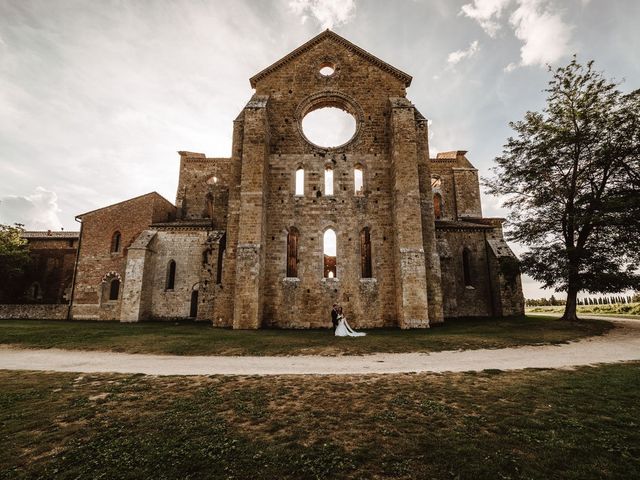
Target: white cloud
328,13
38,211
545,36
486,13
455,57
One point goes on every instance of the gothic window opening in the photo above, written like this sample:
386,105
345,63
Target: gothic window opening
330,254
115,242
171,275
365,253
300,181
437,206
292,253
114,289
328,181
35,291
221,248
358,180
466,267
193,307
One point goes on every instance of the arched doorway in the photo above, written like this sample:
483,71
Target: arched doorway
193,312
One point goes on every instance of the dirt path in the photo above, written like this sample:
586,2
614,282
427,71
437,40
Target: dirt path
620,344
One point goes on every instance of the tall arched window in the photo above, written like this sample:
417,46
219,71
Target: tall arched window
466,266
365,253
171,275
330,252
114,289
437,206
115,242
300,181
221,248
328,180
358,180
292,252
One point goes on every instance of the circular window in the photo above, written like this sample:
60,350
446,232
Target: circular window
329,127
327,70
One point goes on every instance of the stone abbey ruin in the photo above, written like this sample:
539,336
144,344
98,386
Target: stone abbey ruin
284,228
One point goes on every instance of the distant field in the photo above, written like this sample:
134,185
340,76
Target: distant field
616,308
191,338
532,424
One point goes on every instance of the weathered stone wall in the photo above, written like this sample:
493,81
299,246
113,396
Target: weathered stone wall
34,311
97,264
203,188
50,274
462,300
228,235
185,247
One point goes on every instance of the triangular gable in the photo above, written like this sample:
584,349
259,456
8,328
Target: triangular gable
328,34
155,194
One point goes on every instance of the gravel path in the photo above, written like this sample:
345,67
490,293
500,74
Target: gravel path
620,344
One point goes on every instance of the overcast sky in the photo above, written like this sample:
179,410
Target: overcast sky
96,97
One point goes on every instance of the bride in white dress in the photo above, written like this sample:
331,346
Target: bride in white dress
344,330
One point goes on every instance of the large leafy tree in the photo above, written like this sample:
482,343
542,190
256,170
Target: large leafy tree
571,176
14,259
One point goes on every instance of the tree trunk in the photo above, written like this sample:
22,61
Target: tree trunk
570,307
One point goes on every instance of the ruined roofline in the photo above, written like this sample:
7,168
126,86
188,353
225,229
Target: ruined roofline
79,217
49,234
328,34
199,157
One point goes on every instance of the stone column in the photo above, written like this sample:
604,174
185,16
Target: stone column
432,257
250,253
410,274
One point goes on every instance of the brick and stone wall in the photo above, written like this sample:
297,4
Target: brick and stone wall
228,232
98,264
34,311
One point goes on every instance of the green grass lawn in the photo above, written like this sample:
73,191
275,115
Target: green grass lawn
189,338
534,424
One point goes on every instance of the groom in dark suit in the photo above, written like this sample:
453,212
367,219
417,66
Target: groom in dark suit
334,316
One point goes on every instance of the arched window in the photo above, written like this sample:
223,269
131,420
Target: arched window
221,248
114,289
300,181
466,266
330,250
292,253
115,242
365,253
437,206
358,180
35,291
328,180
171,275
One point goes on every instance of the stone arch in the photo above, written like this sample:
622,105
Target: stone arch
111,285
438,206
366,259
330,98
359,183
466,267
116,242
329,253
171,275
293,245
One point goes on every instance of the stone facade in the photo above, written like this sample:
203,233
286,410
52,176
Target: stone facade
241,249
50,273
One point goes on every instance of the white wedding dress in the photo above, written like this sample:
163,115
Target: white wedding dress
344,330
